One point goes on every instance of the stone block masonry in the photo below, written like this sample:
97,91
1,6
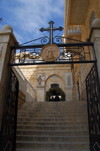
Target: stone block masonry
7,39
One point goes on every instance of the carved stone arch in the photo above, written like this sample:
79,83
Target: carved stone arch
54,78
92,18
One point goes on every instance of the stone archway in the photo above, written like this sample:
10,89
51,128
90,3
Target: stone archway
53,84
55,94
54,80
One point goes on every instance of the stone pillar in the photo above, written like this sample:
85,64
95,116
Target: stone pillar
7,39
68,85
40,95
41,87
95,38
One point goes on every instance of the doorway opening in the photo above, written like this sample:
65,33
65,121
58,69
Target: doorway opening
55,94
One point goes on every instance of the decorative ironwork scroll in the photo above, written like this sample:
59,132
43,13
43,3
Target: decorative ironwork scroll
76,51
93,102
8,129
31,55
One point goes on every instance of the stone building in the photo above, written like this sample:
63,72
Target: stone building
78,76
81,18
77,25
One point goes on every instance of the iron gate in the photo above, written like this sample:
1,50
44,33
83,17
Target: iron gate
81,52
93,104
8,128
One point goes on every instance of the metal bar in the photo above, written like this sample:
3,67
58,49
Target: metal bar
4,105
16,108
84,53
94,52
89,52
44,63
59,45
51,32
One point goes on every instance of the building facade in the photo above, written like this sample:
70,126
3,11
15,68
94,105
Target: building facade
80,19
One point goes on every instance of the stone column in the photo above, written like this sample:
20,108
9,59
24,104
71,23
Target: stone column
40,95
41,87
7,39
68,85
95,38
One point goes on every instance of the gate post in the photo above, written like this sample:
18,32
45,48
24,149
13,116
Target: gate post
7,39
95,38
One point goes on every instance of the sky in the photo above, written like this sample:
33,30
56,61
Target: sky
27,16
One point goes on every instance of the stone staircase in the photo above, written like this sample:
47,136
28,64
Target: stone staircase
53,126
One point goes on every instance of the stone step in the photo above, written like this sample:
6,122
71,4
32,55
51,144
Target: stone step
24,149
50,145
52,105
83,138
57,123
76,110
53,126
52,115
52,132
53,119
56,109
65,107
43,127
57,106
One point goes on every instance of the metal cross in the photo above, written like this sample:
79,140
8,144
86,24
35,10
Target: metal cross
51,29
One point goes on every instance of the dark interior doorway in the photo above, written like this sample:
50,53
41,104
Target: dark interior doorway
55,94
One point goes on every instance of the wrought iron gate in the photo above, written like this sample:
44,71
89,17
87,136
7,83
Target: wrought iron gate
77,52
93,104
8,129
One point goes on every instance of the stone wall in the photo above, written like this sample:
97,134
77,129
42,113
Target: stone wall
24,86
53,74
78,76
21,99
94,5
80,79
7,39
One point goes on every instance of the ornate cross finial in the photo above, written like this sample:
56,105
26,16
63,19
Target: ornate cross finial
51,29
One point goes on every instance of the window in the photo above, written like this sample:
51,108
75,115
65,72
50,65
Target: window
54,85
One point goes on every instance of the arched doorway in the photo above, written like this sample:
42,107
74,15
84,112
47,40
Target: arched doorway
55,94
55,88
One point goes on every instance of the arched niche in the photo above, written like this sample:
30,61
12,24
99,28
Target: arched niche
54,79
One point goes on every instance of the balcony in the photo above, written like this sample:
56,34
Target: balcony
74,30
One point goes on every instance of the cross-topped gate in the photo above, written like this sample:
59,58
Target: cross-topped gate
74,52
56,50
